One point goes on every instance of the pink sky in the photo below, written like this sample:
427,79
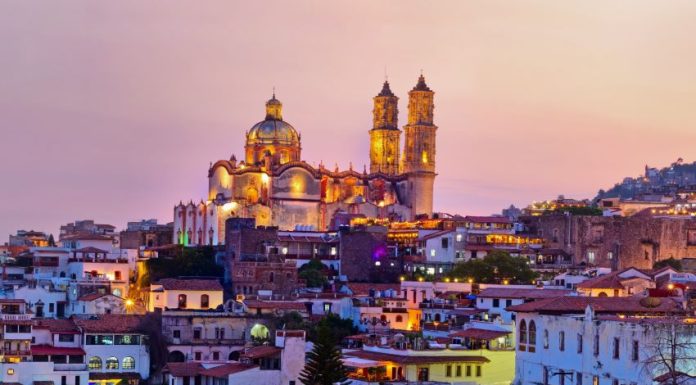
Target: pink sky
113,110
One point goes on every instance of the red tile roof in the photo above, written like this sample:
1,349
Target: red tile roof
111,323
574,304
223,371
91,250
406,360
261,351
48,350
489,219
180,369
63,326
519,293
190,284
364,288
606,281
479,334
435,235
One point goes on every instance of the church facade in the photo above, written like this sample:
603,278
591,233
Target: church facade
276,187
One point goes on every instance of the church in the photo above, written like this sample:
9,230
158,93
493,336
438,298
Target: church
276,187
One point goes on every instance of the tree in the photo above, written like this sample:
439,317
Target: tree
671,262
51,241
496,267
313,273
324,365
340,328
670,350
189,261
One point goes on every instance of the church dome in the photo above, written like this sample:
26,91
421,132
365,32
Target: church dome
273,130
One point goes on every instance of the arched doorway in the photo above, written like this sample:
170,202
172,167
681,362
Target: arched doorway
234,356
176,356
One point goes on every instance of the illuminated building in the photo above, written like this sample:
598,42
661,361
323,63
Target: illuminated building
276,187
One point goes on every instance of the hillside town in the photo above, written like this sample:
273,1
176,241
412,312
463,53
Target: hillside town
289,273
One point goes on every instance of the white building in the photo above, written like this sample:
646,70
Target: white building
589,340
194,294
116,347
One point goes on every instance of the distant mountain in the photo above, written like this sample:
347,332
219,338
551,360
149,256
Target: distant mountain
679,177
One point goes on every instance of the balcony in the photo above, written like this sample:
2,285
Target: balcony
15,317
9,352
97,260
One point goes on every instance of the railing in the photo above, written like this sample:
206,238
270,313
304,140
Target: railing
436,306
69,367
207,341
98,260
15,317
9,352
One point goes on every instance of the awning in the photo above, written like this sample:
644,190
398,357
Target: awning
355,362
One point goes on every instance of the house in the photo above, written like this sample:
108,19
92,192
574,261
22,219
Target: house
595,340
97,303
184,293
117,348
495,300
277,364
622,283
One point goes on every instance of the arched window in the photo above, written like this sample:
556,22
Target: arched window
112,363
234,356
205,301
523,332
128,363
532,337
182,301
399,318
95,363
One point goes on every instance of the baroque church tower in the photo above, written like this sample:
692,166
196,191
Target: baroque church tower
419,148
385,136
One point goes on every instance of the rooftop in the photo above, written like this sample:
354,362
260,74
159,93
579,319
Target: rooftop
190,284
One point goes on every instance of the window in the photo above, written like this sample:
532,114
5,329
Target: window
196,333
468,370
616,348
615,381
127,339
595,380
545,379
197,356
63,380
561,341
546,339
532,337
128,363
496,302
578,378
445,243
448,371
634,351
523,336
112,363
182,301
478,370
399,318
459,370
205,301
590,256
216,356
176,334
95,363
579,343
508,302
595,347
65,337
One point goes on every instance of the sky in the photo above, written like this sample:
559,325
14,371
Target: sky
113,111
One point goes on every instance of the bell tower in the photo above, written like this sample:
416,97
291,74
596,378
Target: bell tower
385,135
419,148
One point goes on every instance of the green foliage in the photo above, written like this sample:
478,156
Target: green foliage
51,241
495,267
189,261
671,262
324,365
340,328
312,273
